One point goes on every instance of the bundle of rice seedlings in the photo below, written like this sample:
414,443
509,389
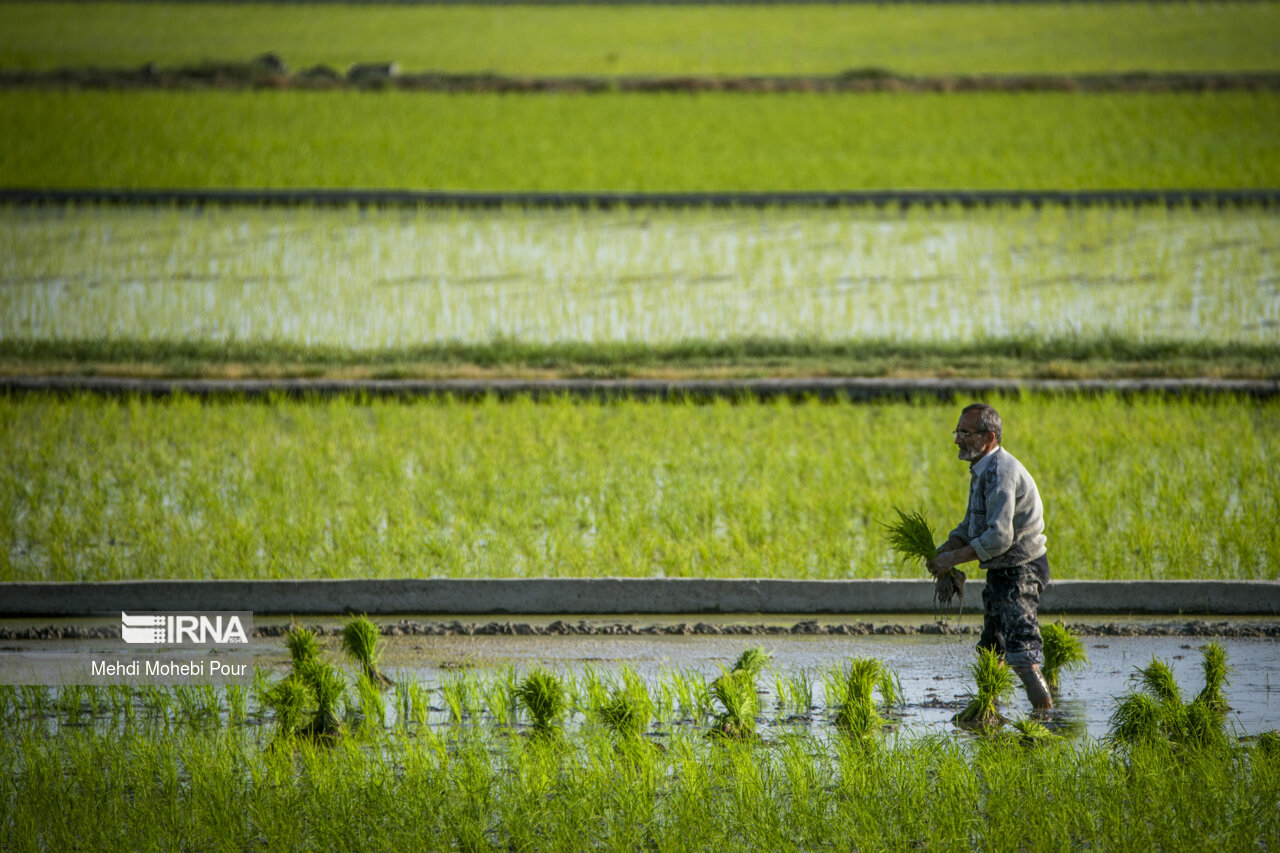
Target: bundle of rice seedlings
736,693
360,640
626,714
912,537
542,694
327,686
302,644
1199,725
1214,664
890,687
1138,718
857,715
372,706
1062,650
752,661
290,700
1157,679
1160,713
1031,733
995,682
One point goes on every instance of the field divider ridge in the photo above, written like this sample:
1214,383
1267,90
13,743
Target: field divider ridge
821,388
614,596
318,196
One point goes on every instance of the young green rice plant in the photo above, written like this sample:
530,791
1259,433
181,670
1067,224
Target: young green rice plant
890,688
8,701
71,704
1216,670
912,538
302,644
735,690
500,696
692,697
360,640
1062,650
196,704
1138,718
857,714
373,708
587,690
1029,732
543,695
1158,680
627,709
626,713
96,698
327,687
752,661
798,690
459,695
995,682
120,698
37,701
1268,743
413,702
1160,714
259,689
156,702
290,700
237,704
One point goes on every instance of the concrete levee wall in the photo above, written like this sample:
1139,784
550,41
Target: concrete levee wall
604,596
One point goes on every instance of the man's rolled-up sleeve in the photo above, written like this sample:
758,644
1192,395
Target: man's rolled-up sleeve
998,537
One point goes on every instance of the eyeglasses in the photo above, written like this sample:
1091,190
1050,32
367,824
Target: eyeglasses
964,433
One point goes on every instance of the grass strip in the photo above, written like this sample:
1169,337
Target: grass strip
225,791
918,38
1043,358
675,143
97,489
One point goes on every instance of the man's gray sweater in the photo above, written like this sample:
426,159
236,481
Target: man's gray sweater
1004,521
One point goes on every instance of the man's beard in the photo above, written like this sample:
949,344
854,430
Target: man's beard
967,455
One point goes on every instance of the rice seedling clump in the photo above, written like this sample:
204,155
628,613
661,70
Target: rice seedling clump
360,640
543,695
996,682
1062,650
1160,714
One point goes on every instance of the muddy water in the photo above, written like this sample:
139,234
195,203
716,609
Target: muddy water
933,670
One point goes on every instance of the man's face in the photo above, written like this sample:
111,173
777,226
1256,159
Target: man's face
971,442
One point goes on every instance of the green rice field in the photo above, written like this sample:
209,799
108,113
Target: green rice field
478,786
635,142
627,39
96,489
394,280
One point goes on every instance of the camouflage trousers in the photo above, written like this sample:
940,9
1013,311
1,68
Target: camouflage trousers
1010,600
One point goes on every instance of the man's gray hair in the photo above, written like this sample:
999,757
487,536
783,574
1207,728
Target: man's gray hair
988,418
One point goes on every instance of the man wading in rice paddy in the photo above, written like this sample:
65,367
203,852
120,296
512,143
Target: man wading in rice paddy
1003,529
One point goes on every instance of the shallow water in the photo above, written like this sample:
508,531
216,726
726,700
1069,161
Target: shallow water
933,670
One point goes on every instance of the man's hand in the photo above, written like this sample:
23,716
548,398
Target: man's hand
948,560
937,567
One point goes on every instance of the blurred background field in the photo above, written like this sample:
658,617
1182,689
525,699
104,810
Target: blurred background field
638,142
395,280
608,38
101,490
